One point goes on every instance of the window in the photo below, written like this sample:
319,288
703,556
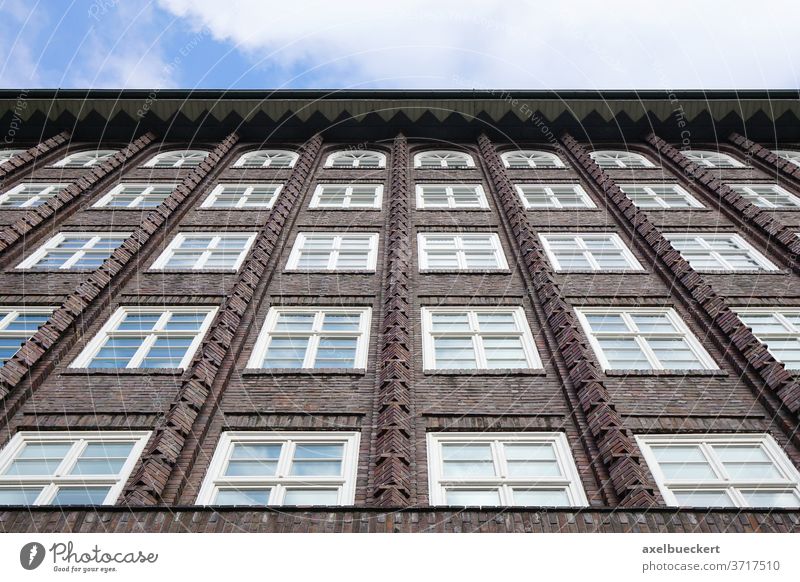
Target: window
147,337
17,325
477,338
356,159
197,251
718,252
478,469
267,159
85,159
619,159
788,155
554,196
68,468
297,337
524,159
722,470
347,196
642,338
129,195
448,159
460,251
229,196
177,159
75,250
29,195
712,159
433,196
282,468
6,155
766,195
659,196
588,252
778,329
325,251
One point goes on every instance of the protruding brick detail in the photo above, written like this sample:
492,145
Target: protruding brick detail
393,448
777,379
17,231
147,485
29,156
765,155
607,435
780,236
63,318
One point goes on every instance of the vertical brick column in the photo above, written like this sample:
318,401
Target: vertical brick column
29,156
756,151
160,459
607,442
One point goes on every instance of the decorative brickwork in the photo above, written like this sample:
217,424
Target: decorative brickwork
756,151
28,157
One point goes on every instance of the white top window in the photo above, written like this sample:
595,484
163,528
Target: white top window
235,196
448,196
85,159
659,196
198,251
267,159
443,159
477,338
589,252
347,196
620,159
296,337
766,195
17,325
128,196
643,338
711,159
177,159
147,337
779,329
327,251
722,470
718,252
282,468
531,159
356,159
6,155
75,250
460,251
30,195
496,469
68,468
554,196
789,155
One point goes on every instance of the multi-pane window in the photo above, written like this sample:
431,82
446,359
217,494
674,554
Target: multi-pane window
282,468
444,159
660,196
554,196
643,338
347,196
267,159
356,159
721,470
460,251
68,468
177,159
711,159
17,325
85,159
766,195
779,329
788,155
147,337
229,196
328,251
718,252
296,337
6,155
129,195
495,469
588,252
620,159
477,338
197,251
30,195
450,196
524,159
75,250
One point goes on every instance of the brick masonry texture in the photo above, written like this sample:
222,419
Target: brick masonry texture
27,159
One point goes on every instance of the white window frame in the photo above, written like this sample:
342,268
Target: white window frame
792,330
428,347
79,440
208,203
553,197
580,237
418,158
91,349
333,156
438,484
346,205
49,190
302,237
710,159
178,163
494,242
775,453
451,203
763,261
7,154
792,156
531,155
268,331
657,198
346,482
51,244
11,316
93,158
105,199
243,159
161,263
757,199
620,159
682,331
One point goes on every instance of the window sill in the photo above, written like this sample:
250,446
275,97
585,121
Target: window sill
496,372
122,372
304,372
622,373
464,271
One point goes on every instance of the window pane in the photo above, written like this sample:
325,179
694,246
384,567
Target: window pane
766,498
80,495
504,352
531,460
19,495
242,497
311,497
624,354
541,497
473,497
467,460
703,499
38,459
286,352
317,460
454,353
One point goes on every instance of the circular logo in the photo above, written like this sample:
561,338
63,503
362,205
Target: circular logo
31,555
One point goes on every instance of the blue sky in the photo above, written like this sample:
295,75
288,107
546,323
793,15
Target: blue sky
251,44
